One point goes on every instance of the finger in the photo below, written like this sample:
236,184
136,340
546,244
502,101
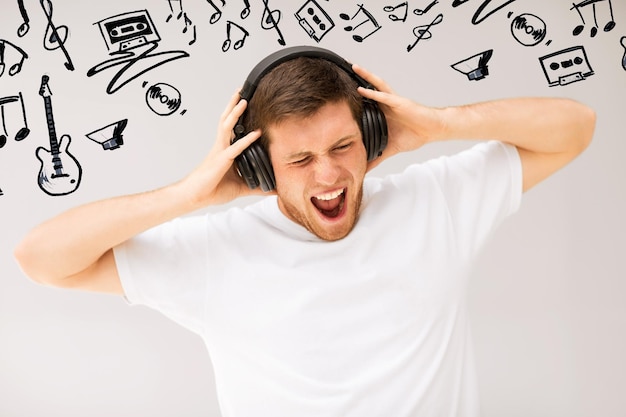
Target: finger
373,79
378,96
239,146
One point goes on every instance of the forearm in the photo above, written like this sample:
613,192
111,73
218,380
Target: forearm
541,125
76,239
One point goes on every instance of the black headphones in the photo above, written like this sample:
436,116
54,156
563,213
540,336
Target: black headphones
254,164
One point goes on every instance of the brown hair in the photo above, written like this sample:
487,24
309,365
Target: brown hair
300,87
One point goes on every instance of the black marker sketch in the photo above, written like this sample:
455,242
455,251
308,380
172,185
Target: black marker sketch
314,20
163,99
478,16
420,12
474,67
423,32
217,14
528,29
368,20
239,43
594,30
246,9
23,29
623,42
110,136
270,20
181,14
1,193
15,68
60,172
23,131
401,17
131,39
55,37
566,66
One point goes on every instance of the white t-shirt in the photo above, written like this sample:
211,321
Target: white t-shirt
374,324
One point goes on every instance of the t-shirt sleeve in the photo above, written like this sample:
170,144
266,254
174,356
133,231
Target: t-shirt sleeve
165,268
481,187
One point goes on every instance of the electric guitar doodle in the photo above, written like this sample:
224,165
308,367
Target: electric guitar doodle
60,172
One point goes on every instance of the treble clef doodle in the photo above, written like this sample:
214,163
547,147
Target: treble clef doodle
268,21
55,37
423,32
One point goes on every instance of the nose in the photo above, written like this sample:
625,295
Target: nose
327,170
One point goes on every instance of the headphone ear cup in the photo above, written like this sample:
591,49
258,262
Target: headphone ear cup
245,169
262,167
369,131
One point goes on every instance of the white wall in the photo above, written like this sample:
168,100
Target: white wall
547,301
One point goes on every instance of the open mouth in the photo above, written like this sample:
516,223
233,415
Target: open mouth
330,204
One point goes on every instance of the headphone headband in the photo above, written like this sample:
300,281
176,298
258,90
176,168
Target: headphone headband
286,54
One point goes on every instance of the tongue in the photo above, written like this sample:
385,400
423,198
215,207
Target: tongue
329,208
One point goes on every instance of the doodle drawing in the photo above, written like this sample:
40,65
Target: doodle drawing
55,37
423,32
131,39
15,68
217,12
24,27
238,43
182,15
583,6
60,172
368,22
403,11
23,130
270,21
420,12
110,136
528,29
474,67
314,20
566,66
163,99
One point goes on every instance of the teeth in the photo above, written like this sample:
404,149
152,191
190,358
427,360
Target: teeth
329,196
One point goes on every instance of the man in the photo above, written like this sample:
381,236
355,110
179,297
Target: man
336,295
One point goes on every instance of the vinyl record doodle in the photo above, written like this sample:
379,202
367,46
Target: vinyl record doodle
163,99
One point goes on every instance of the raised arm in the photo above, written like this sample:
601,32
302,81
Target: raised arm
548,132
74,249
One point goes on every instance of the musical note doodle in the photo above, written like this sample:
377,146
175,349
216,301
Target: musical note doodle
368,20
181,14
55,37
245,12
270,20
594,30
23,29
401,17
420,12
239,43
423,32
217,14
15,68
23,131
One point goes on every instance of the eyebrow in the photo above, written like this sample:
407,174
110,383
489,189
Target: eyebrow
302,154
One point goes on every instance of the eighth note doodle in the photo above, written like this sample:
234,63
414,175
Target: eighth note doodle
368,20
